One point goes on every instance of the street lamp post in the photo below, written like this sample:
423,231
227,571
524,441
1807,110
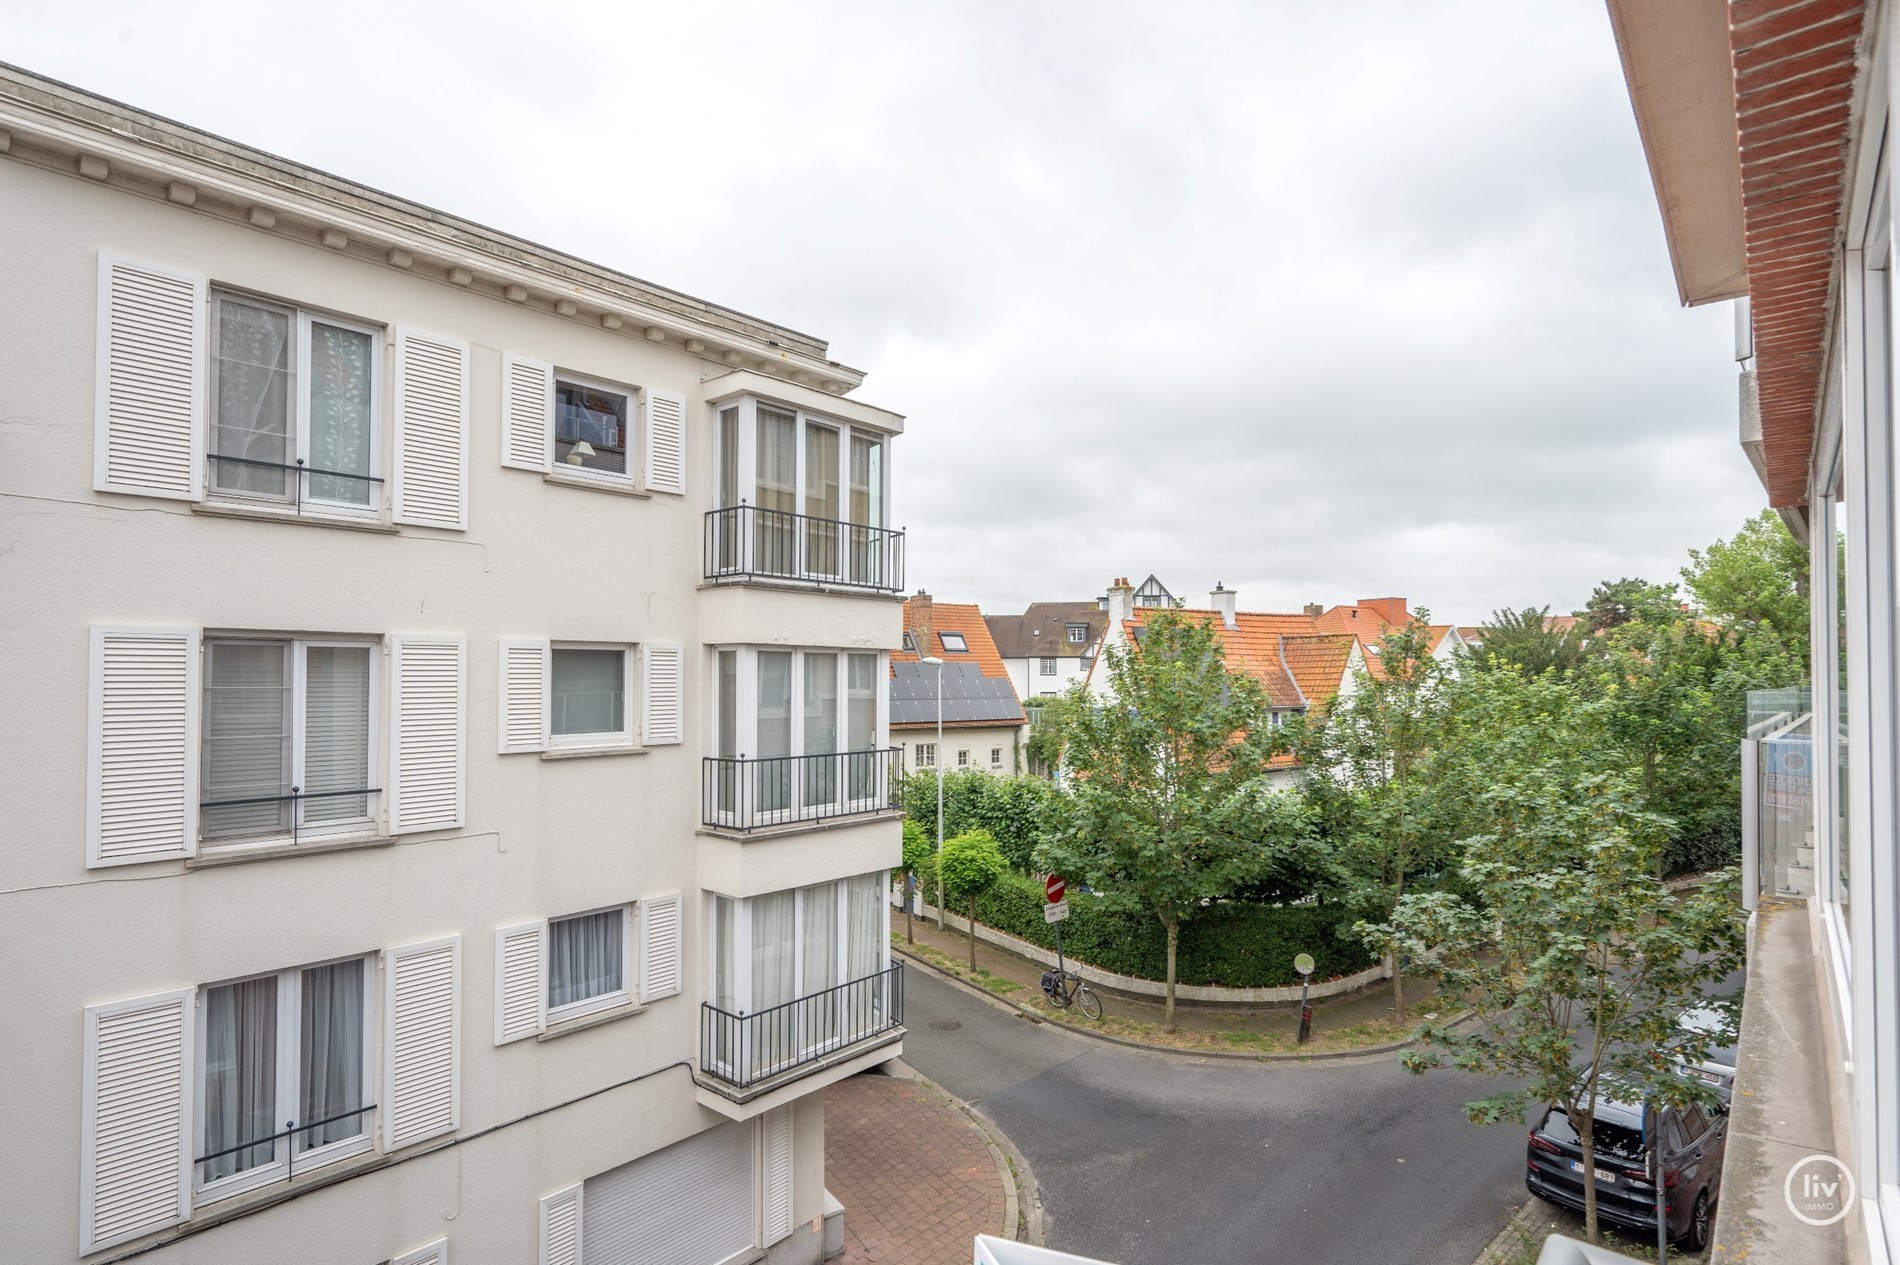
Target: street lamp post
937,663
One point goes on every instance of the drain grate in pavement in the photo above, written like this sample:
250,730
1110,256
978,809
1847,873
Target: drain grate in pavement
945,1025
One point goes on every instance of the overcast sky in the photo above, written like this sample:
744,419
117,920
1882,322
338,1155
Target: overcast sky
1324,301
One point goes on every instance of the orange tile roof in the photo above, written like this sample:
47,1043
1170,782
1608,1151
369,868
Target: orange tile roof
957,617
1318,663
1265,647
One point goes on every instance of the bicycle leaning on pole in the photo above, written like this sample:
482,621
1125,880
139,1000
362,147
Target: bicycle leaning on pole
1063,987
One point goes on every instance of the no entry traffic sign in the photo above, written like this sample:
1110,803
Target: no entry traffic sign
1054,887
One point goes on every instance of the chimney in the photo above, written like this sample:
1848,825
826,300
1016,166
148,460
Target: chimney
920,623
1314,610
1121,602
1390,609
1224,598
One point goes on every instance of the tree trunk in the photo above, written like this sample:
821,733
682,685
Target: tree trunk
1585,1131
1392,958
973,933
1174,938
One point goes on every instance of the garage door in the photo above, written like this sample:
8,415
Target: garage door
690,1204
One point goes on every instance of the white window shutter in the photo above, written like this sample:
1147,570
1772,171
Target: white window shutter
136,1118
436,1253
659,946
527,413
431,484
142,745
666,442
149,381
422,1049
776,1183
521,955
523,691
664,695
561,1227
425,733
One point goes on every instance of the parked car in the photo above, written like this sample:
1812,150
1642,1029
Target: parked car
1694,1141
1718,1069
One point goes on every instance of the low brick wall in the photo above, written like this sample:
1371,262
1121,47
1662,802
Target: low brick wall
1212,994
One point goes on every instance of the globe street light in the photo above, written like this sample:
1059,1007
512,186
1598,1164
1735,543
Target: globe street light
937,663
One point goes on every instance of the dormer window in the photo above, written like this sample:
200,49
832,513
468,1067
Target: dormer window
910,641
1078,634
954,642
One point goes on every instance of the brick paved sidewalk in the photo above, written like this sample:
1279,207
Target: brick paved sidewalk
913,1172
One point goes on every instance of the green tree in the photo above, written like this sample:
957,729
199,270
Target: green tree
1756,579
1614,603
1576,957
971,864
1049,722
1158,816
920,862
1017,810
1529,640
1368,776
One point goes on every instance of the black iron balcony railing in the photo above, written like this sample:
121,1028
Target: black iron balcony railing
742,1049
742,794
745,542
306,483
257,1152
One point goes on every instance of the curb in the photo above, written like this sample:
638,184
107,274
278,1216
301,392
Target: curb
1508,1245
1034,1016
1022,1196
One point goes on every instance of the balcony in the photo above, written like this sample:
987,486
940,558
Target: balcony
747,543
776,791
749,1055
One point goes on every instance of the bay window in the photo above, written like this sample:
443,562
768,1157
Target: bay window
294,406
288,743
795,734
283,1075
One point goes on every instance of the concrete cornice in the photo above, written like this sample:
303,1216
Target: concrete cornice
60,128
729,386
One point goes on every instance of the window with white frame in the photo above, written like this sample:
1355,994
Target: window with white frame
926,755
1048,667
996,755
1078,634
593,428
963,758
587,696
294,406
777,703
282,1053
288,739
588,956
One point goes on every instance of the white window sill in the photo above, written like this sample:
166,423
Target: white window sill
233,854
309,518
594,1019
594,485
588,753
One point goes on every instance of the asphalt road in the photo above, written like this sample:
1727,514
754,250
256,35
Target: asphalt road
1165,1160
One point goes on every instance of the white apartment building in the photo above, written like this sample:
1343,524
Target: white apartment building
446,754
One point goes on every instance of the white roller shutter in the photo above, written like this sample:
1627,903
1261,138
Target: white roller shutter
142,745
431,484
425,733
664,695
659,946
523,691
520,981
527,413
690,1204
422,1049
436,1253
136,1124
149,392
775,1183
561,1227
666,442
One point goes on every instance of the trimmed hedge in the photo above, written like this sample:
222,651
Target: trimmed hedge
1232,944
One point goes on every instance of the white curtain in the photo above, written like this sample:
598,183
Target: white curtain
818,954
251,417
246,737
585,957
821,727
340,412
776,494
861,724
821,500
774,978
774,777
865,947
330,1053
336,732
240,1079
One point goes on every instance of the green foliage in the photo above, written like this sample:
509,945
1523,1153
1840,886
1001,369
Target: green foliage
1017,811
1234,944
1756,580
1614,603
972,864
1527,640
1050,721
920,853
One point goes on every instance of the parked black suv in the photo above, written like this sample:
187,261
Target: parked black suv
1693,1144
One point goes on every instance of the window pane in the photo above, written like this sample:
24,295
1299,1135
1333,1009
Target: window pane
330,1055
818,961
246,738
588,692
251,415
867,481
590,428
240,1076
861,703
821,501
775,729
821,727
340,413
773,963
585,957
336,732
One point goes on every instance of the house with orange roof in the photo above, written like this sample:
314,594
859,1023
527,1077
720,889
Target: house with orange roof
1370,619
969,691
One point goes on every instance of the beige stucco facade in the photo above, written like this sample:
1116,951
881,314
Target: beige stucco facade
539,837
